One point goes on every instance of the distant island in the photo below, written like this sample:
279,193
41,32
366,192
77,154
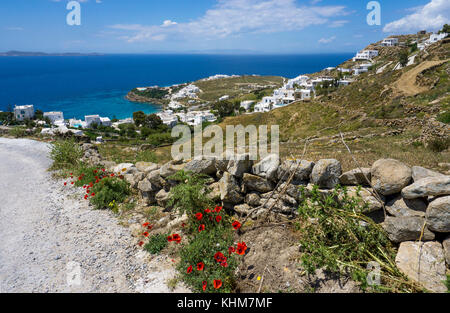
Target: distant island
33,54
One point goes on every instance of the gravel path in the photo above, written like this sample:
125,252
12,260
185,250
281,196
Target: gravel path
52,241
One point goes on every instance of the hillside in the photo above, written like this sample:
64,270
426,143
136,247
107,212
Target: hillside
383,113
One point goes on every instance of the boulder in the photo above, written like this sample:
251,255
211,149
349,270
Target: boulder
291,190
146,186
229,189
222,162
399,207
253,199
148,197
431,186
215,191
438,215
356,177
326,173
162,197
125,168
446,245
406,228
302,172
419,173
423,262
205,166
146,167
134,179
367,198
240,164
256,183
155,178
390,176
267,167
169,169
242,209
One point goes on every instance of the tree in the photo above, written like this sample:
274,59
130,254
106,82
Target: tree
139,118
403,59
39,115
445,29
153,121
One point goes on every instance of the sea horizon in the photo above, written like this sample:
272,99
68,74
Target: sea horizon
98,84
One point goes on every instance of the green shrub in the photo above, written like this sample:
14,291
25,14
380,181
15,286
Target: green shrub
336,236
156,243
18,132
444,117
439,144
109,189
66,154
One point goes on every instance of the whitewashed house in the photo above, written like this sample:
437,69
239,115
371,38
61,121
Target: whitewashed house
23,112
436,37
54,116
344,82
168,118
365,55
389,42
247,104
92,119
105,121
75,123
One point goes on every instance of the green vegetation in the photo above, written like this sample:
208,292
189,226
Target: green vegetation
444,117
206,263
439,144
156,243
154,93
18,131
66,154
335,235
109,189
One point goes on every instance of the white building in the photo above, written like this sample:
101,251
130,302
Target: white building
54,116
23,112
304,94
389,42
247,104
365,55
105,121
436,37
344,82
75,123
168,118
92,119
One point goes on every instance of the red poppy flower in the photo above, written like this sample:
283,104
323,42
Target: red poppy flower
218,218
218,209
183,224
199,216
65,184
176,238
103,169
149,227
217,283
85,197
146,224
145,234
72,183
236,225
219,257
112,175
224,264
71,174
231,250
207,211
201,227
204,283
80,178
93,194
140,243
84,187
189,269
169,238
241,248
95,172
200,266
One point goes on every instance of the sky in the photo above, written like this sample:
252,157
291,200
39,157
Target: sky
211,26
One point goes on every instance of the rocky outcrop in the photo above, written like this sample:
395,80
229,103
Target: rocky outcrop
229,189
356,177
430,186
202,166
390,176
256,183
419,173
399,206
326,173
423,263
267,167
302,168
239,165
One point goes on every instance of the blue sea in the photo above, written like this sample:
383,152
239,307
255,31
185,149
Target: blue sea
82,85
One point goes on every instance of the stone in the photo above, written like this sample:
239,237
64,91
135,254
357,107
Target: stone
419,173
215,191
240,164
162,197
431,186
438,215
326,173
267,167
222,163
229,189
398,206
367,197
169,169
177,222
291,190
256,183
242,209
356,177
125,168
155,178
302,172
134,179
406,228
205,166
146,186
148,197
252,199
423,262
146,167
446,245
390,176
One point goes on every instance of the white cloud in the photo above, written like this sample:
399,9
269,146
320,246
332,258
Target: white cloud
236,17
431,16
14,28
327,40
